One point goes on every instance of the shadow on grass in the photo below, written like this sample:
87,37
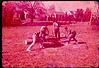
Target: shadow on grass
49,43
52,43
82,43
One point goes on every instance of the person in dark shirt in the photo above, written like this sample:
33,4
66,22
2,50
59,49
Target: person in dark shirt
72,36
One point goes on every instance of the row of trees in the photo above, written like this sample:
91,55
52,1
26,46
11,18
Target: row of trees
16,12
21,11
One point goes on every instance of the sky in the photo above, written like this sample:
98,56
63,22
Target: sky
68,5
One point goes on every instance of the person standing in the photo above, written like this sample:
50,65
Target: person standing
56,29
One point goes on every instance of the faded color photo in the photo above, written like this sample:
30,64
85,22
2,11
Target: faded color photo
41,34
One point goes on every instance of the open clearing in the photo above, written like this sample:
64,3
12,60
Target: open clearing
82,55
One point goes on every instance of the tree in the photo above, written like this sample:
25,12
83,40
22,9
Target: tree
9,12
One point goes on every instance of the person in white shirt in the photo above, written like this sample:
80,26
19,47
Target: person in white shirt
38,37
56,29
43,32
32,40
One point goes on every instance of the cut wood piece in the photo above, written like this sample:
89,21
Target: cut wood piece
64,40
28,41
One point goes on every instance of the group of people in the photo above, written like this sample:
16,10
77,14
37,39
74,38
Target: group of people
41,35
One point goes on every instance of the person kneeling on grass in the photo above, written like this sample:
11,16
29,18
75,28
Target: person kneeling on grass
43,33
72,36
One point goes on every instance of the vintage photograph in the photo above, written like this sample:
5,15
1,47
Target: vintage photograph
50,34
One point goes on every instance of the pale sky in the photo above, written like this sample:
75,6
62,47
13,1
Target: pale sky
68,5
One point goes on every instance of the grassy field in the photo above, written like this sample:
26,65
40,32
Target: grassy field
14,52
